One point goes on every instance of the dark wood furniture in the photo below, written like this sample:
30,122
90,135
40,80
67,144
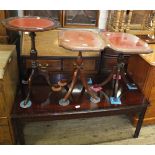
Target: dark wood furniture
7,36
142,70
46,107
31,24
81,41
121,44
3,33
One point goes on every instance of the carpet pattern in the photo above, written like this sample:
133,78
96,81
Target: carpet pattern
110,130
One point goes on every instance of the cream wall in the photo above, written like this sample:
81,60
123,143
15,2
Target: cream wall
103,19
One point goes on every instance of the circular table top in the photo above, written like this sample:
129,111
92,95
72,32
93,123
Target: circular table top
80,40
30,23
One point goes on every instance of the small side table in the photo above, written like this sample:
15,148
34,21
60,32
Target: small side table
32,25
122,44
80,40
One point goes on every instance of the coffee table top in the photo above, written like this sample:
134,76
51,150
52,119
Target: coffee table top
30,23
81,40
47,103
125,43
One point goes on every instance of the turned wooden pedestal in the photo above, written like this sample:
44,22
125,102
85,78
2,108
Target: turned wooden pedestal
142,70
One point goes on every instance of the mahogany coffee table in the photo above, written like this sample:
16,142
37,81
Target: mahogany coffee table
133,103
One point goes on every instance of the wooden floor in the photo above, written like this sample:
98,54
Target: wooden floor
104,130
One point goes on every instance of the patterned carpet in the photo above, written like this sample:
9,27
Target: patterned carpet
103,130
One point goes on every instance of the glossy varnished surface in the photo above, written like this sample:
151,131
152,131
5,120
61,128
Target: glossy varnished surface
81,40
125,43
30,24
150,58
141,68
45,106
46,103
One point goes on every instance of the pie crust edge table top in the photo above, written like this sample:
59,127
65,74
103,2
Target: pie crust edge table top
125,43
81,40
30,23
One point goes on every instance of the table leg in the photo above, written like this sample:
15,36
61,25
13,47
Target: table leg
45,75
140,122
27,103
18,131
84,83
78,71
74,79
108,79
64,101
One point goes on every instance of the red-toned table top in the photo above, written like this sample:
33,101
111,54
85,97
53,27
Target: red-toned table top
125,43
30,24
81,40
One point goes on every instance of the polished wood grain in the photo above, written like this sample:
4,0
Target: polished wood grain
6,136
3,33
51,65
137,68
8,87
142,70
45,105
150,58
68,65
57,58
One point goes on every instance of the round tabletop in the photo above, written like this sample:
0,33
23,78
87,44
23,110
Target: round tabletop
30,23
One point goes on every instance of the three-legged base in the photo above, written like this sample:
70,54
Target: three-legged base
78,72
115,76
